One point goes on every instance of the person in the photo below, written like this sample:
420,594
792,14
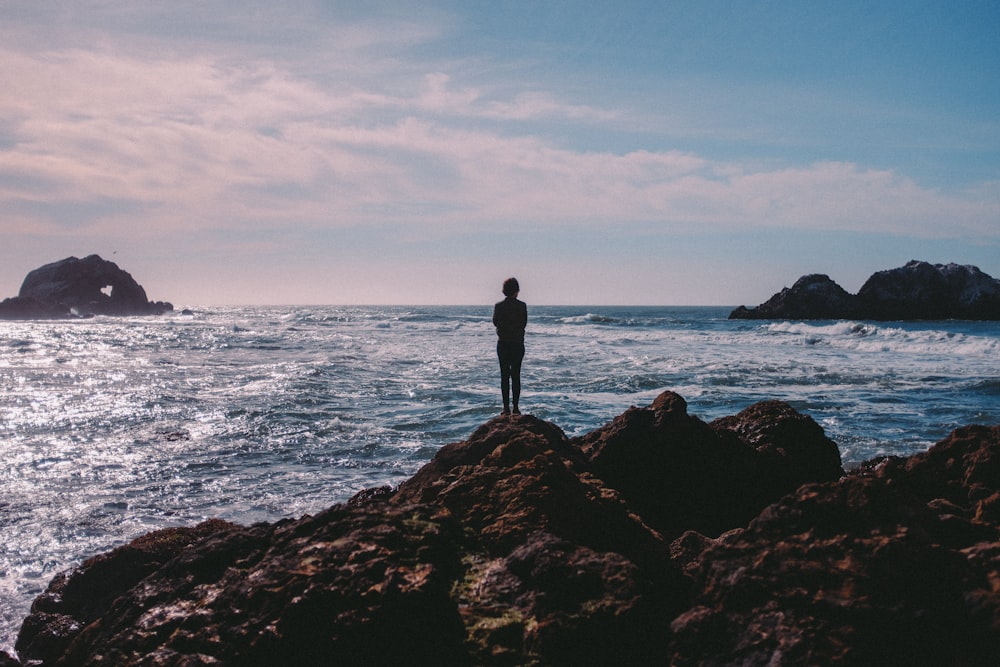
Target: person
510,317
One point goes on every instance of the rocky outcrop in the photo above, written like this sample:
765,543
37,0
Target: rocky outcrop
679,473
814,296
520,546
898,564
79,288
931,292
917,291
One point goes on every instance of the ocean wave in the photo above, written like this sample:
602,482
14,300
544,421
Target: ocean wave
931,342
989,387
623,320
842,328
865,337
260,413
590,318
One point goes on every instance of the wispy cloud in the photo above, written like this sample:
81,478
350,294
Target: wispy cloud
198,140
256,126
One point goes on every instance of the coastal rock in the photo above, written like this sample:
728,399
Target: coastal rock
893,565
921,291
501,551
791,447
814,296
561,571
75,287
916,291
680,473
71,602
519,546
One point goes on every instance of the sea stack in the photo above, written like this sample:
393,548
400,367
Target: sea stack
75,287
917,291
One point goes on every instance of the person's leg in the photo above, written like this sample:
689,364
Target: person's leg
505,381
515,376
505,377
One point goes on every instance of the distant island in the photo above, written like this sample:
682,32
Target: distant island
73,288
917,291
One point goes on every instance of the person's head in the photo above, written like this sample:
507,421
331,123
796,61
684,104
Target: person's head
510,287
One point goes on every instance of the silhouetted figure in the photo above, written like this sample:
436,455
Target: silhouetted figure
510,317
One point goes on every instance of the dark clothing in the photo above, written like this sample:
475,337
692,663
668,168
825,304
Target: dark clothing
510,317
510,353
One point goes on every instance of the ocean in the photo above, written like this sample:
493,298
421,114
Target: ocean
113,427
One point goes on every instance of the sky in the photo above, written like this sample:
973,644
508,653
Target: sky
637,153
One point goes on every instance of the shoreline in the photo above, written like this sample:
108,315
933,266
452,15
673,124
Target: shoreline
642,540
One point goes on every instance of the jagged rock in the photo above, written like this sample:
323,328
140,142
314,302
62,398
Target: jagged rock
519,546
680,473
76,288
871,569
815,296
921,291
71,602
916,291
499,552
792,448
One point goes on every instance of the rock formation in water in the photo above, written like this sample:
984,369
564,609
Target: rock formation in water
79,288
656,539
917,291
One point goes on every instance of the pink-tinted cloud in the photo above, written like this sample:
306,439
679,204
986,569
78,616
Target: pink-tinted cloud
365,139
202,141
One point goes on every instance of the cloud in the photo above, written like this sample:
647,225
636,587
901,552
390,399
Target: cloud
98,139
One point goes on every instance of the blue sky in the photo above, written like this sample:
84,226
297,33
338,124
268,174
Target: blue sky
419,153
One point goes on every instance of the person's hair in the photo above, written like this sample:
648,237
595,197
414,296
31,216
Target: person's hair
510,287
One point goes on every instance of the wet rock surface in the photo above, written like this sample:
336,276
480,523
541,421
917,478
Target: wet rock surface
655,539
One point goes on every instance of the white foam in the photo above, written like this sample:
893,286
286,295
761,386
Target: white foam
865,337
